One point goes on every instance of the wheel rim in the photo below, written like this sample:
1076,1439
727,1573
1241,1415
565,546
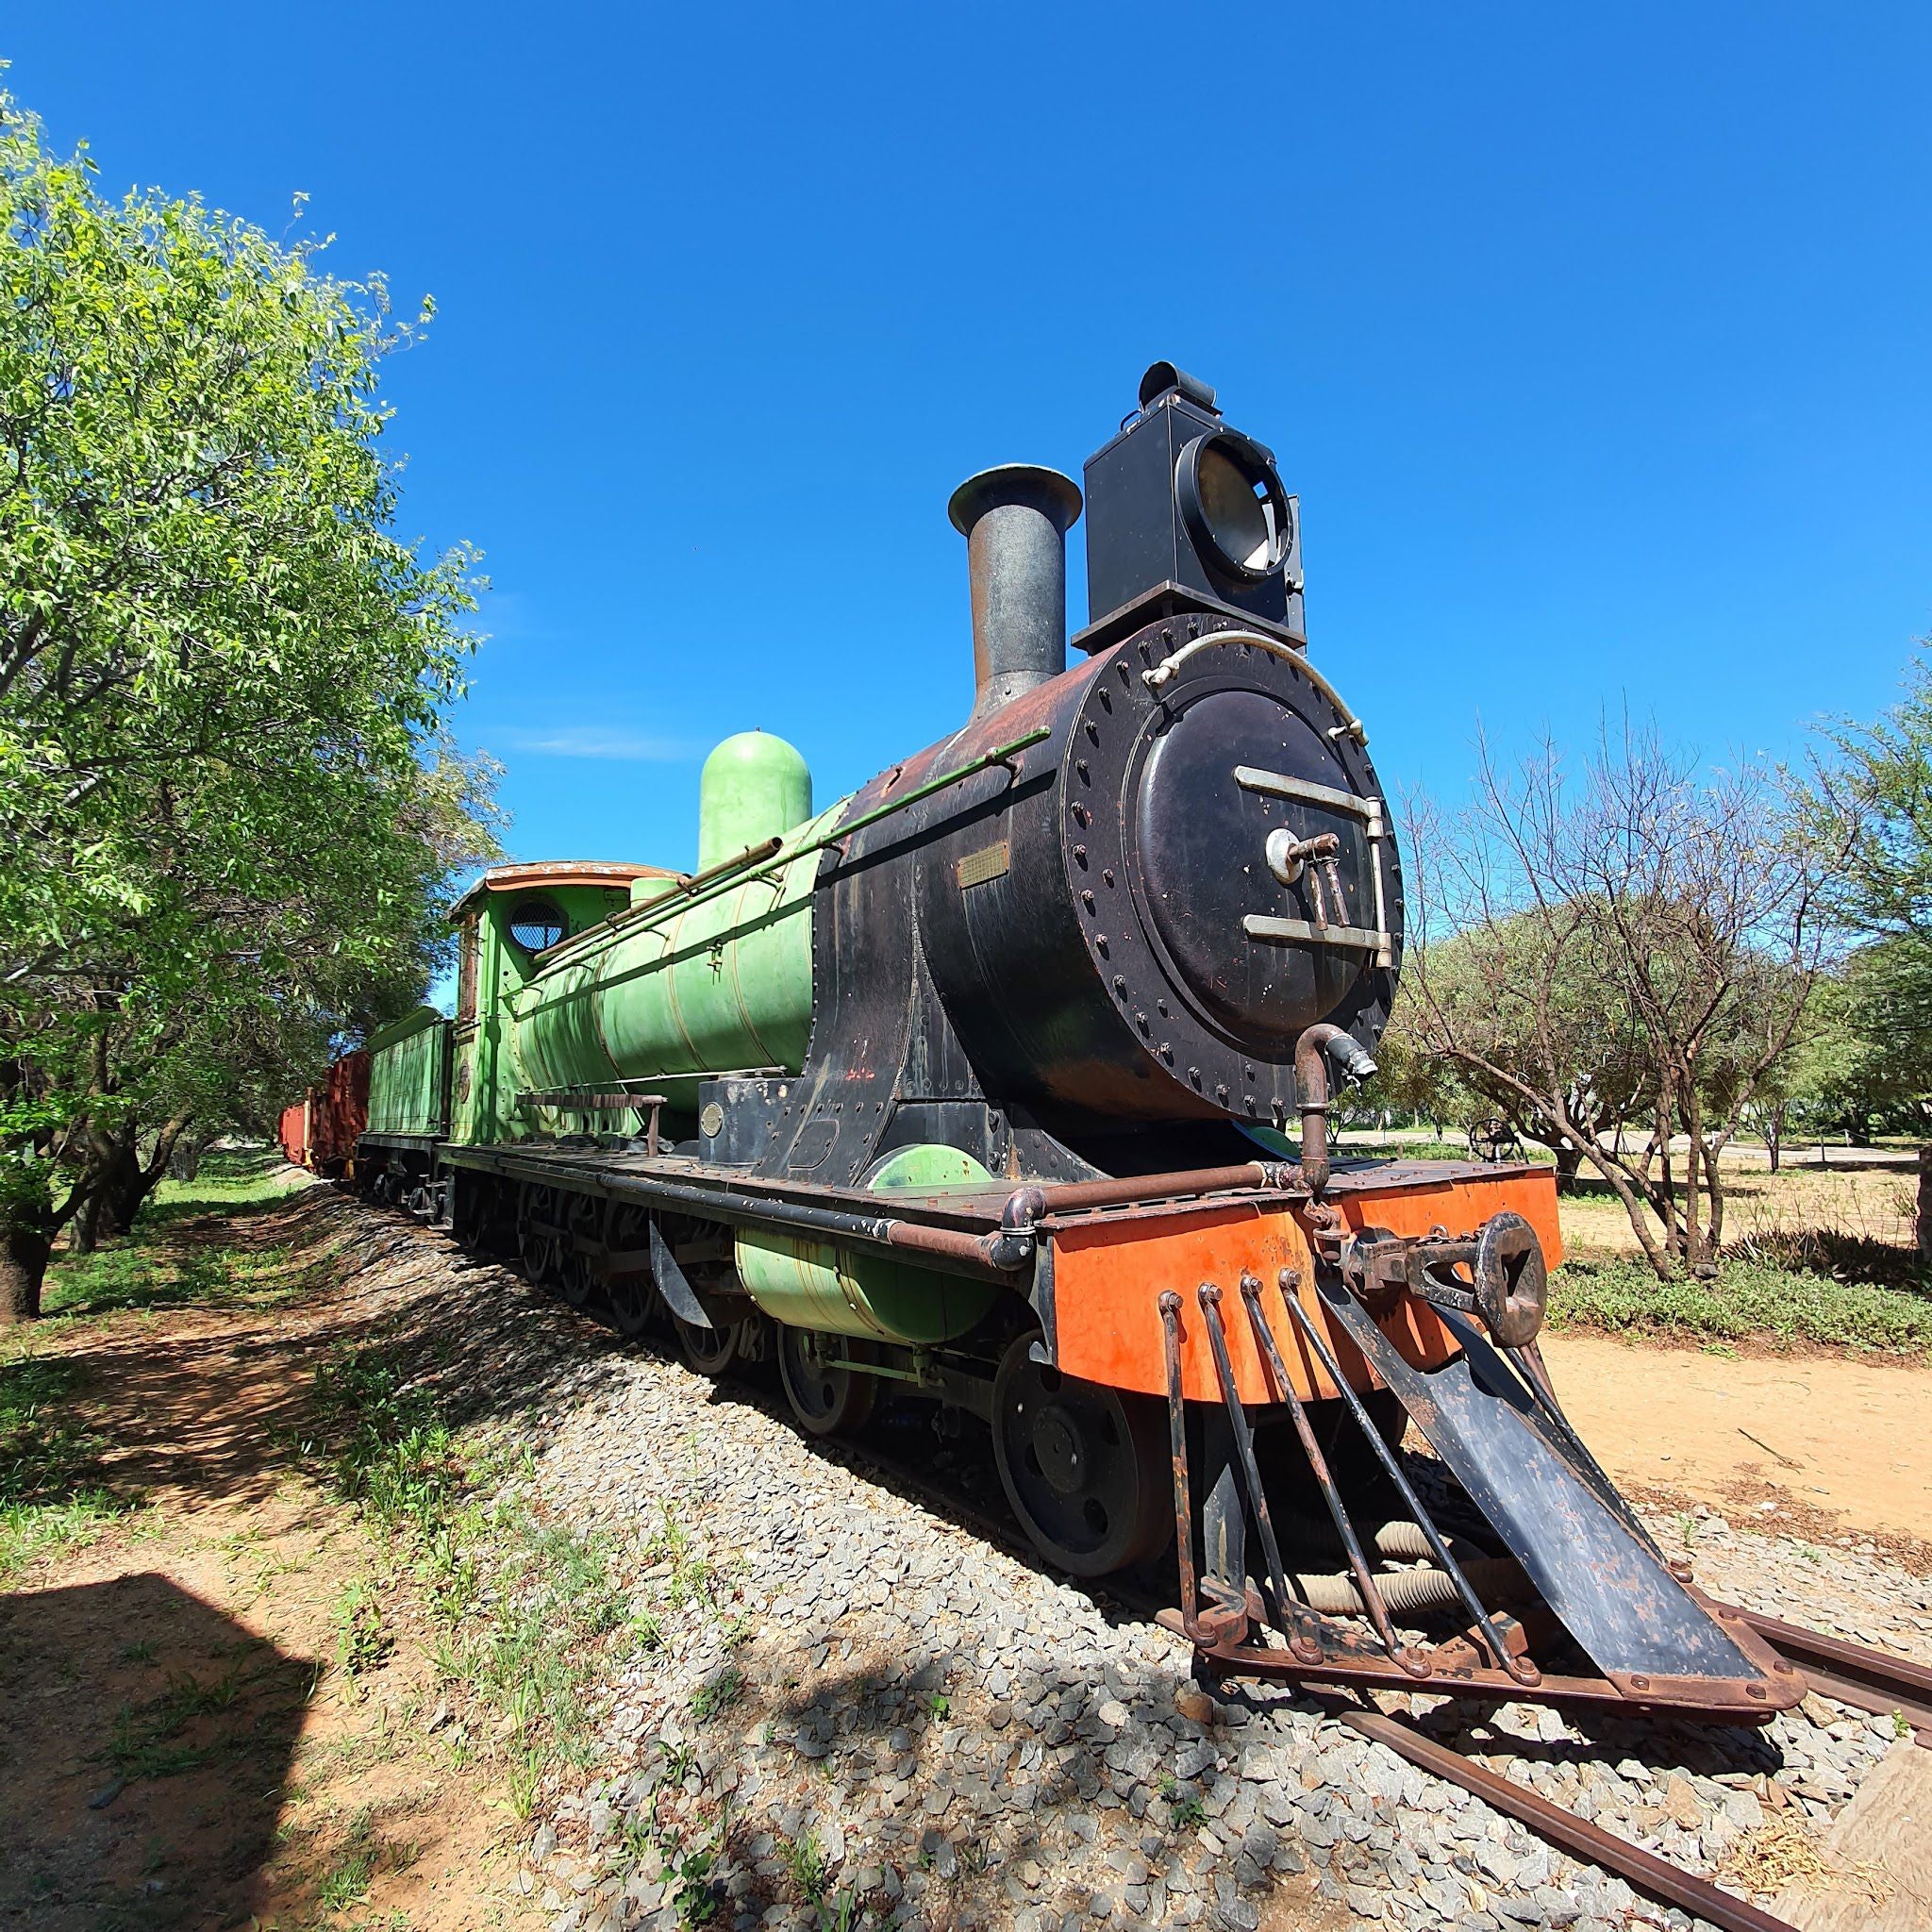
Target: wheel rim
1082,1465
540,1251
630,1305
828,1398
635,1304
709,1351
576,1275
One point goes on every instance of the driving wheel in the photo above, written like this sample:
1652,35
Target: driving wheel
1084,1467
710,1351
538,1244
828,1398
576,1274
634,1301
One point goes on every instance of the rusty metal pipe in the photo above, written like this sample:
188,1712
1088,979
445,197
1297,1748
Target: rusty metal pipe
1293,1619
1000,1252
1015,520
1170,1305
1312,1053
1312,1082
751,855
1373,1602
1075,1197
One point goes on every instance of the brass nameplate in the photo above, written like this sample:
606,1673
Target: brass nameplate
990,863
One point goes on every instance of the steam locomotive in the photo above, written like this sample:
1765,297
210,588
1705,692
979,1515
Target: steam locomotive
1004,1084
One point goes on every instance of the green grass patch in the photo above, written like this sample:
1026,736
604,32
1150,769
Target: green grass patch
225,1177
524,1609
1749,1298
346,1883
171,1261
149,1739
52,1490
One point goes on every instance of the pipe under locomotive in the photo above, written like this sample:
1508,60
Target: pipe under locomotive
1005,1082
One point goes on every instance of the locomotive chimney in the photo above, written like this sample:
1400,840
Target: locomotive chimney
1015,520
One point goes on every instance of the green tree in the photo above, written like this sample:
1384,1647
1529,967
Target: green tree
1877,779
227,805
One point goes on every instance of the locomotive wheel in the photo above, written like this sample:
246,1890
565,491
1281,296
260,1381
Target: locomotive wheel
634,1301
710,1351
630,1304
575,1276
828,1398
1084,1466
540,1252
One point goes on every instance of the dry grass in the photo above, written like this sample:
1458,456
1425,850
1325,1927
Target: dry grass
1873,1204
1782,1852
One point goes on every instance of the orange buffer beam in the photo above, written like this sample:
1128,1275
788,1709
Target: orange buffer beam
1110,1271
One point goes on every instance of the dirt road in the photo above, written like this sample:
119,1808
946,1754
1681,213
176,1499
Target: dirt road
183,1741
1823,1436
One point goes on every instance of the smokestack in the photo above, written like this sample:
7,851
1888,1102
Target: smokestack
1015,520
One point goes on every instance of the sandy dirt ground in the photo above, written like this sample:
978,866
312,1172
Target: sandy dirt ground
179,1745
1872,1195
1830,1441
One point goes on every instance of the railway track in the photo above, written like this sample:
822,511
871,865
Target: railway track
1854,1674
1867,1679
1870,1680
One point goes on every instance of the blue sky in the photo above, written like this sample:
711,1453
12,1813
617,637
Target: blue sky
1596,342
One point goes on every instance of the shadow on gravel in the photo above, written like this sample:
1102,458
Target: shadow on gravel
132,1718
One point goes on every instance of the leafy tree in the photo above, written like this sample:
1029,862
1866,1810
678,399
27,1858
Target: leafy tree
1633,945
1412,1079
1877,779
228,805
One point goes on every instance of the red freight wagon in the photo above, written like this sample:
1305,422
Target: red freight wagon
320,1133
294,1133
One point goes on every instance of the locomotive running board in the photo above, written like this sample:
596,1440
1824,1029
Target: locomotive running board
1657,1642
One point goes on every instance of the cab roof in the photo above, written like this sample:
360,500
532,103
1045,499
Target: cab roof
555,872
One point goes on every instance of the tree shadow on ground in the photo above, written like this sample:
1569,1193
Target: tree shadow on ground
144,1741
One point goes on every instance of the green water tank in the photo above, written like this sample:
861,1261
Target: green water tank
693,983
753,786
864,1291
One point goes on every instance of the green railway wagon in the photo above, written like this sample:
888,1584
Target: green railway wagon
408,1076
409,1103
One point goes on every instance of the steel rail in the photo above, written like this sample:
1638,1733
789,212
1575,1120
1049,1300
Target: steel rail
1669,1883
1854,1674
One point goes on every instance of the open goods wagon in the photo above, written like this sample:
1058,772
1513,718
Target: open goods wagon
321,1129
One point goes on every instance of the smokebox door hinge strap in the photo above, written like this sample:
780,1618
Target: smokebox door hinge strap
1322,931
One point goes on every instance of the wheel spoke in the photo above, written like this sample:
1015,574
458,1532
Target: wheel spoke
828,1398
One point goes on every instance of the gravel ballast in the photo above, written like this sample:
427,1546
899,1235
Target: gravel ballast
860,1712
